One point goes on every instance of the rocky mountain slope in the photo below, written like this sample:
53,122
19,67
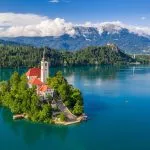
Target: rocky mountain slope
127,40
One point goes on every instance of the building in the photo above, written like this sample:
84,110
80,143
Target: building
44,91
38,76
44,69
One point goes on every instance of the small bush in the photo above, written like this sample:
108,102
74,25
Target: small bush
62,117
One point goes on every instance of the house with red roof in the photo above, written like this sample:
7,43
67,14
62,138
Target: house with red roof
34,81
33,72
37,77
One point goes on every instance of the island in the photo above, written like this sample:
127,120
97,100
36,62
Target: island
38,97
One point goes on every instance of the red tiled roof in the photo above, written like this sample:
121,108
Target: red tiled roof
34,72
43,88
36,81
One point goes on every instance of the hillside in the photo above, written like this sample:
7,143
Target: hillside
5,42
128,41
28,56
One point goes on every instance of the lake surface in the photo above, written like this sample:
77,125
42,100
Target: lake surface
117,100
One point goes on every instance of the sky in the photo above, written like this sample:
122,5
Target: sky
136,12
71,12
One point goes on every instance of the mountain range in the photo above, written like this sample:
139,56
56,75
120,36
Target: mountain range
128,41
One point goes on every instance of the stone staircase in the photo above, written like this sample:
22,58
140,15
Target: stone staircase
61,106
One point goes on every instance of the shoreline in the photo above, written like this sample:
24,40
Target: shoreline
65,123
56,122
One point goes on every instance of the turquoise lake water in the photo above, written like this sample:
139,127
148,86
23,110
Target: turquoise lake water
117,101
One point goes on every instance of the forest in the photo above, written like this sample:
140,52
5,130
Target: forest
29,56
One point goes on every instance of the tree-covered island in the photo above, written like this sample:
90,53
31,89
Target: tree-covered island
39,97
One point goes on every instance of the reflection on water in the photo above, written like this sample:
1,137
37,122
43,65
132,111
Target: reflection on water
103,72
89,72
106,72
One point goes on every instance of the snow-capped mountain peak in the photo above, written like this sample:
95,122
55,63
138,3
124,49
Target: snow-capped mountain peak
117,26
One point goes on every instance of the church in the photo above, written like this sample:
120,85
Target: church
38,76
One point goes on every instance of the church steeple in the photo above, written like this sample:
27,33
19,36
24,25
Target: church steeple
44,68
43,55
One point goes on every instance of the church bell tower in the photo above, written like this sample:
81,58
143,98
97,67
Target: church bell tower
44,69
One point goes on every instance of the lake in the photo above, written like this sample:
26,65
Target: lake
117,101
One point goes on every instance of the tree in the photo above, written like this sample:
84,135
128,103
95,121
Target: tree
49,97
15,79
23,82
78,109
62,117
64,90
3,87
45,114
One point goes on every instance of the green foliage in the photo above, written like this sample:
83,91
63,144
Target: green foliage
62,117
49,97
78,108
28,56
144,59
71,96
45,113
16,95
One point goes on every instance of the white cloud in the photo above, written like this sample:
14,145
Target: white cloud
13,25
143,18
54,1
58,1
116,26
12,19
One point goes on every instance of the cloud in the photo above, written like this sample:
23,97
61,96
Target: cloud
143,18
12,19
14,25
112,27
54,1
116,26
58,1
